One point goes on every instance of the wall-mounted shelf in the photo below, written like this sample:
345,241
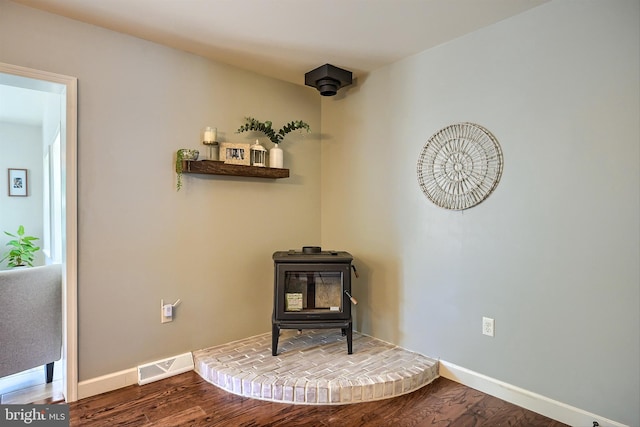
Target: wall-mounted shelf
212,167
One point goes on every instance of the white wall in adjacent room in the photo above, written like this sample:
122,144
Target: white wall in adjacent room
20,148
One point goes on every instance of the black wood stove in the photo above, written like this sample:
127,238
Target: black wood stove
312,290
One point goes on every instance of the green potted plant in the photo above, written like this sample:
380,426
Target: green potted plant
275,154
181,155
22,249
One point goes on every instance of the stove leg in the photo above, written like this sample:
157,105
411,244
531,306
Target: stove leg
350,339
275,334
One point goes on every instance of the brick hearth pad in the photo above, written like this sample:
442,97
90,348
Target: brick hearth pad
314,368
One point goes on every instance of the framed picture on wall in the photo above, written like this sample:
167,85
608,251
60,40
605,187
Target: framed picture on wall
18,183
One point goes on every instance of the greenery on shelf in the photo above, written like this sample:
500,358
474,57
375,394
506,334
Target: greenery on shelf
182,155
22,249
179,160
252,124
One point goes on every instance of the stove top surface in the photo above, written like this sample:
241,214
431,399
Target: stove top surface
312,254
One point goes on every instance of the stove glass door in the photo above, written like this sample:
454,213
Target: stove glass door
313,291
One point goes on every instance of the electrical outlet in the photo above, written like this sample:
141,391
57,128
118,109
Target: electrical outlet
163,314
487,326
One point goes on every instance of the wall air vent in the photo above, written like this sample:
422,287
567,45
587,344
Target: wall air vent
165,368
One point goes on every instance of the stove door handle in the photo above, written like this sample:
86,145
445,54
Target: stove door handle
355,271
352,299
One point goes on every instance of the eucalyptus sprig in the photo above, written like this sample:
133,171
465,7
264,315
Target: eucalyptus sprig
252,124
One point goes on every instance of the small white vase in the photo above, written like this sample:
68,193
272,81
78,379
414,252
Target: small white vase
276,159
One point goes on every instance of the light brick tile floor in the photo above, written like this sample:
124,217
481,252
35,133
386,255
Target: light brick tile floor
314,368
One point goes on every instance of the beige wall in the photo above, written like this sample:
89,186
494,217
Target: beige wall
141,241
553,254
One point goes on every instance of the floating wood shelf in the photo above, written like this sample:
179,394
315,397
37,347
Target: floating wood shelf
212,167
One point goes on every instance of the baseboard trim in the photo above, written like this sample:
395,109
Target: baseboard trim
532,401
518,396
107,383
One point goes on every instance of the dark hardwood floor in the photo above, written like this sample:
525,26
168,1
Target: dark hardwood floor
188,400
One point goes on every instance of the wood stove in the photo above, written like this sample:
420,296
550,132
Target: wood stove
312,290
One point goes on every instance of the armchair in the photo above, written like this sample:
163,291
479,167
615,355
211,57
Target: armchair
30,319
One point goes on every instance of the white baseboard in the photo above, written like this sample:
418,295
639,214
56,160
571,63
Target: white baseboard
161,369
532,401
507,392
107,383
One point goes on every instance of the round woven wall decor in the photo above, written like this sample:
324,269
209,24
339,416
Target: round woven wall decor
460,165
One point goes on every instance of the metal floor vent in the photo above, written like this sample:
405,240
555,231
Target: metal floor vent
165,368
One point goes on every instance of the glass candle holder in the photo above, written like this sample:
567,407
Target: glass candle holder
210,139
209,134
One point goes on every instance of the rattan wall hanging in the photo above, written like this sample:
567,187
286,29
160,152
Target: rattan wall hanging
460,165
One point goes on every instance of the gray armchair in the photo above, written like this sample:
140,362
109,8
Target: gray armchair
30,319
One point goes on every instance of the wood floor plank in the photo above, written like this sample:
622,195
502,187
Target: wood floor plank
187,417
188,400
490,411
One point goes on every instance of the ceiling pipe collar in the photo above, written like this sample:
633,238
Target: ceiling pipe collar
328,79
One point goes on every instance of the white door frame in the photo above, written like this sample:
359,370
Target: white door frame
70,227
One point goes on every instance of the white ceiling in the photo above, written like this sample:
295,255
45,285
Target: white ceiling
283,39
21,106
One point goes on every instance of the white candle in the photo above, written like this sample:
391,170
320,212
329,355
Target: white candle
214,134
209,134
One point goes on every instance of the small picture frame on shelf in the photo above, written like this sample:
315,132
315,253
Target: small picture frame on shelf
18,183
235,153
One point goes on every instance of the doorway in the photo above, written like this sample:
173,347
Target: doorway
66,87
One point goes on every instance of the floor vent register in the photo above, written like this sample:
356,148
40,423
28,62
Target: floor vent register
165,368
